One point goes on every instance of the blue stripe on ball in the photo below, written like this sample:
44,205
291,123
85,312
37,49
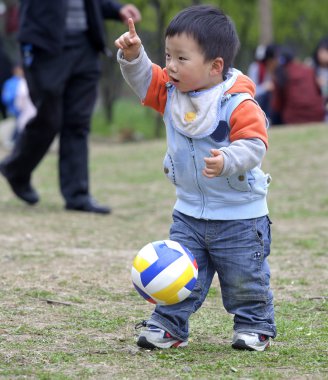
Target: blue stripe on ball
144,295
166,256
191,284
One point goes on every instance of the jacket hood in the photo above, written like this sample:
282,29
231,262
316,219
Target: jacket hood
242,83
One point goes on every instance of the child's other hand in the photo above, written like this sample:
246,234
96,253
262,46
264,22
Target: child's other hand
129,42
213,164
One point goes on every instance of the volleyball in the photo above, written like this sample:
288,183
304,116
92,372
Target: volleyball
164,272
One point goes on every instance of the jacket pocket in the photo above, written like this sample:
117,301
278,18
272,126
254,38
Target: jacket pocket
239,182
254,181
168,168
260,181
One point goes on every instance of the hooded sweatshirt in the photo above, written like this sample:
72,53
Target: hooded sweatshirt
224,117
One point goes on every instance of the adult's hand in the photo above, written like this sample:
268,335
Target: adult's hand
130,11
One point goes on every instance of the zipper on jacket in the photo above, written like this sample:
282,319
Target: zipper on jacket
192,150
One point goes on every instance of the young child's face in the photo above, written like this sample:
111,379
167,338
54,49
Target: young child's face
186,66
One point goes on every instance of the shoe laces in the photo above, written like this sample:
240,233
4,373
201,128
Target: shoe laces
141,324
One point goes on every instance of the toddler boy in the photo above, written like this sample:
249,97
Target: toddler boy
216,138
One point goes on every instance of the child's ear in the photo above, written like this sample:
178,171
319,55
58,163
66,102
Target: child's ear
217,66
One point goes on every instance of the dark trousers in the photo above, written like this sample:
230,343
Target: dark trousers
64,90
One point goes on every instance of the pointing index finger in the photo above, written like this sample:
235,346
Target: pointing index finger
132,29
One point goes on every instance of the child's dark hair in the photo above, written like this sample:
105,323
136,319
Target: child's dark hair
214,32
322,44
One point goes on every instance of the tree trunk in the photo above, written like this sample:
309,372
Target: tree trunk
160,17
266,30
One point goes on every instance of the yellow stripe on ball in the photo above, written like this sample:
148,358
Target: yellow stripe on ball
140,264
166,293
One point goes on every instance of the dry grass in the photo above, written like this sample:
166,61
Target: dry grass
67,305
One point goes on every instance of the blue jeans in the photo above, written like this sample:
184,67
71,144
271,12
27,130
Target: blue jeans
237,251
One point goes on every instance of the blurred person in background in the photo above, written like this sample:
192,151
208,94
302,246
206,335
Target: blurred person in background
261,72
296,96
15,96
60,43
5,73
320,65
11,26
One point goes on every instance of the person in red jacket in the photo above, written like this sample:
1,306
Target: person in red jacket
296,96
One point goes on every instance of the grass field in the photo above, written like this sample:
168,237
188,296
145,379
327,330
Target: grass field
120,127
67,307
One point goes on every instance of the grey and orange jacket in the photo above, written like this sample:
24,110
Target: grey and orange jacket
225,117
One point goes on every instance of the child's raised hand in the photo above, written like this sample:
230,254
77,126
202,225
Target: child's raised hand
213,164
129,42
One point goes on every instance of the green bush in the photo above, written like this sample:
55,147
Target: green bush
131,121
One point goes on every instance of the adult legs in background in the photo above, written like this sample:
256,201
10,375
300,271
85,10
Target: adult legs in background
63,89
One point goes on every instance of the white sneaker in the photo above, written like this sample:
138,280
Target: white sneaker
154,337
250,341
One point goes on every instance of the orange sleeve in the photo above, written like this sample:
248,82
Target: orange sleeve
248,122
157,92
